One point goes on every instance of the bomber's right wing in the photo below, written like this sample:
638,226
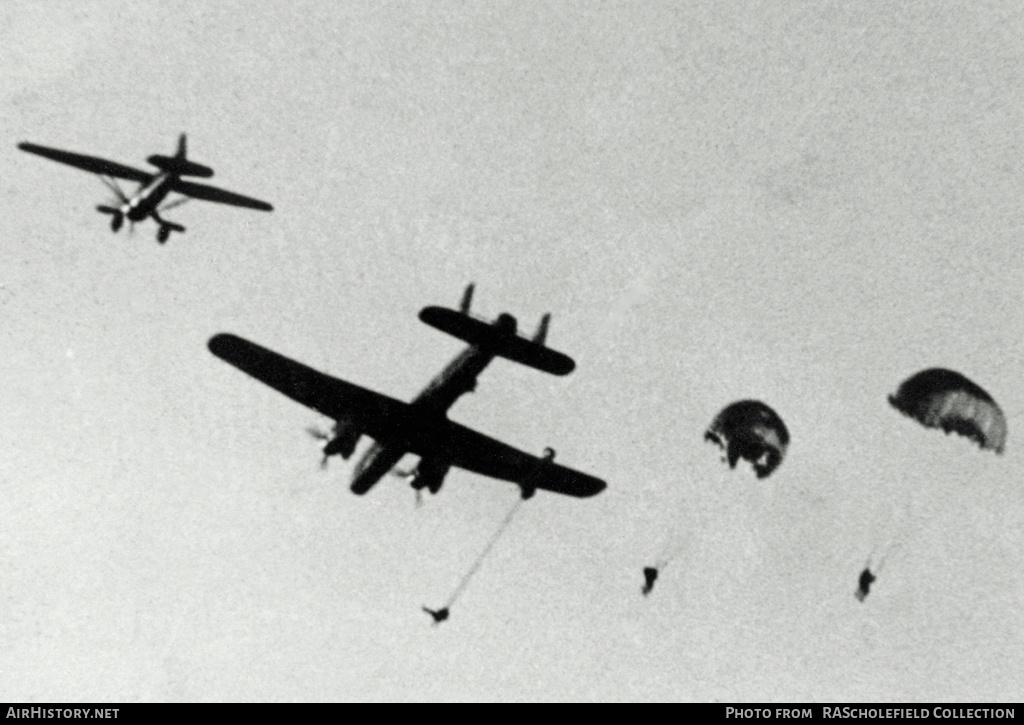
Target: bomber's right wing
93,164
474,451
374,414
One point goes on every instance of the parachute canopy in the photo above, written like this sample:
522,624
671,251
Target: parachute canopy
751,430
938,398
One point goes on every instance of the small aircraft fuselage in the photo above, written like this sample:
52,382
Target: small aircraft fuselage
153,187
142,205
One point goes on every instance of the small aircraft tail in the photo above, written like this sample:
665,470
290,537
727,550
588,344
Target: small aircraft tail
500,336
117,216
467,298
166,227
179,163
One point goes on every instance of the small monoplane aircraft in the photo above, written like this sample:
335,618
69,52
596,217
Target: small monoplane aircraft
153,187
422,427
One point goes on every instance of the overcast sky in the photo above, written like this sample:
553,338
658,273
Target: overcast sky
799,202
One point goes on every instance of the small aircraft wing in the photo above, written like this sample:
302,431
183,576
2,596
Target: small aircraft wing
482,454
93,164
212,193
377,414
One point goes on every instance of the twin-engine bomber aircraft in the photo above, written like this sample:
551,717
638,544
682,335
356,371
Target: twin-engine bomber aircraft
422,427
153,188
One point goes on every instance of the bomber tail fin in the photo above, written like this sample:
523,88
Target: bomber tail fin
542,330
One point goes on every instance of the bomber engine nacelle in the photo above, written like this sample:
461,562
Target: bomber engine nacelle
499,337
430,475
346,438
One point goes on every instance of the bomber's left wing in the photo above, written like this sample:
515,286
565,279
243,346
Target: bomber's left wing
482,454
212,193
374,414
92,164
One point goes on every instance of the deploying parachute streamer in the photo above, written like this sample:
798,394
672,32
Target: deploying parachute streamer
440,615
750,430
938,398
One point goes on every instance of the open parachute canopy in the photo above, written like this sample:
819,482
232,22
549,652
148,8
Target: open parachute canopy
938,398
750,430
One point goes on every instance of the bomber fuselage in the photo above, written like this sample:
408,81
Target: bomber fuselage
456,379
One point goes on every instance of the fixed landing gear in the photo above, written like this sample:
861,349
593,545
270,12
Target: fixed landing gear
165,230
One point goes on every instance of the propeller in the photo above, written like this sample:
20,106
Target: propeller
320,435
115,210
402,473
317,433
112,185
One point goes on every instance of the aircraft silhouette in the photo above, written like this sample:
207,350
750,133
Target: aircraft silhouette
153,187
422,427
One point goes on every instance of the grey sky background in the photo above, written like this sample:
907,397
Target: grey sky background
800,202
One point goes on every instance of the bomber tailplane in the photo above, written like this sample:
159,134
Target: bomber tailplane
500,338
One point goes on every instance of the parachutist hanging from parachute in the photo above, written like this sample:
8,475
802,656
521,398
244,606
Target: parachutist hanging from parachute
747,429
945,399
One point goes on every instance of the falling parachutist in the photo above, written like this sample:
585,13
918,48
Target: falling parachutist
650,576
866,579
